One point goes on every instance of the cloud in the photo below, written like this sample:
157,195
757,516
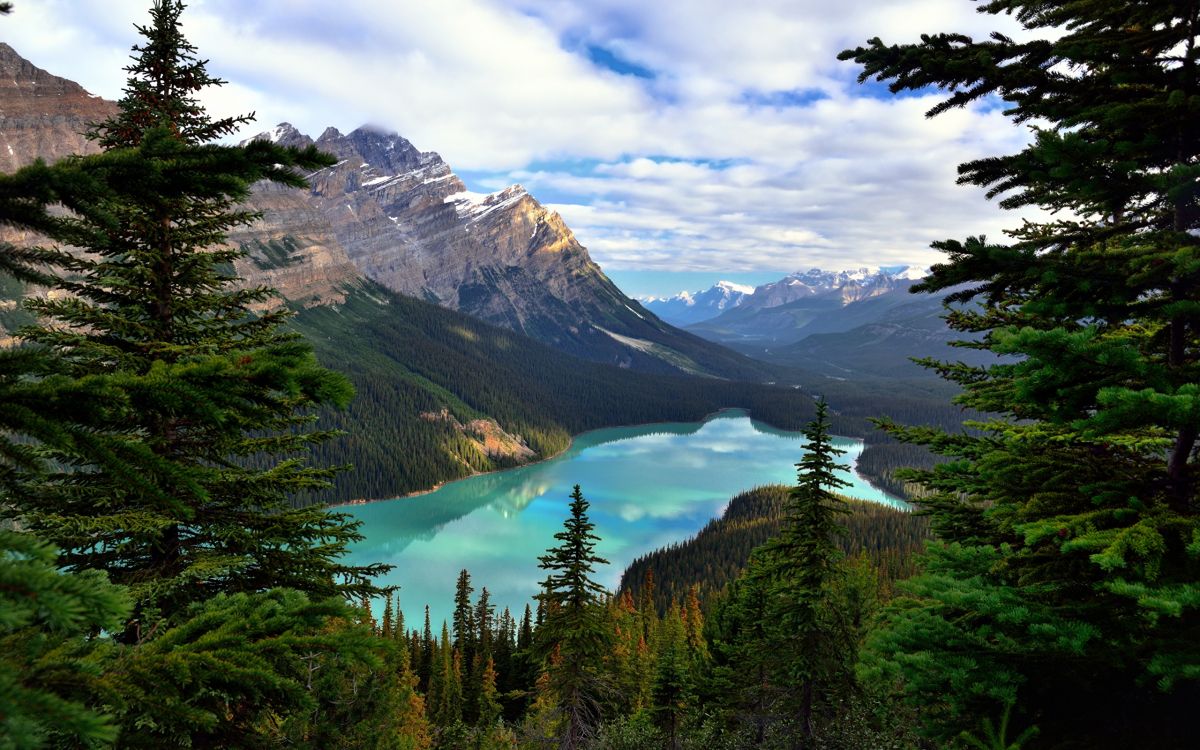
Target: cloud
697,135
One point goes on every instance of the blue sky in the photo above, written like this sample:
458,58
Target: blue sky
700,138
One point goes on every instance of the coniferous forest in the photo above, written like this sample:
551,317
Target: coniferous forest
169,577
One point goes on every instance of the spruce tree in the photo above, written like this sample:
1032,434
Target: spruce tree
489,697
1067,582
221,392
573,638
798,565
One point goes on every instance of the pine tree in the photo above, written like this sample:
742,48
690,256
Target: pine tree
445,689
387,625
463,620
574,629
216,390
425,664
244,670
672,688
798,565
740,678
693,620
1067,584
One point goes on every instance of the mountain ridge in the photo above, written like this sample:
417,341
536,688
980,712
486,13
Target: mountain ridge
775,312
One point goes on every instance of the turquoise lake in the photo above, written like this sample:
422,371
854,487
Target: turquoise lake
648,486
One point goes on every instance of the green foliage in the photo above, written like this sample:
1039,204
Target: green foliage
890,539
235,664
1067,585
50,658
996,738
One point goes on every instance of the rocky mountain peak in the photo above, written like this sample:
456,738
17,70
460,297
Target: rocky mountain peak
42,115
285,134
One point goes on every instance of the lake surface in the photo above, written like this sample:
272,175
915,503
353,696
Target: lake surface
648,486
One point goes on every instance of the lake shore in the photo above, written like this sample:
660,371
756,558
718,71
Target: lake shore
570,443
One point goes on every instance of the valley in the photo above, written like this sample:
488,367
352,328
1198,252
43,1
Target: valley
276,402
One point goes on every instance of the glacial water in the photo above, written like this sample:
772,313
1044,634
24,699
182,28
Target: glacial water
648,486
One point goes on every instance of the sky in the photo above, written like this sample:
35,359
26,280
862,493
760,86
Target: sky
684,141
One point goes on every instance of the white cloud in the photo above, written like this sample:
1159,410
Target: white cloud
687,172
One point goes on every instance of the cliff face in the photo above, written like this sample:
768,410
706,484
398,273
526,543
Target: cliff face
45,117
406,221
409,223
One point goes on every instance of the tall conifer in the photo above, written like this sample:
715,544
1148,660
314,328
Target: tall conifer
574,630
1068,582
222,392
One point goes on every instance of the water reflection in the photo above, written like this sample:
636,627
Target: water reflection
648,486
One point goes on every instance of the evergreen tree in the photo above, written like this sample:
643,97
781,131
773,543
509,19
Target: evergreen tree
245,670
740,680
216,390
463,620
574,629
693,621
387,624
425,663
50,659
798,565
671,691
445,690
1067,585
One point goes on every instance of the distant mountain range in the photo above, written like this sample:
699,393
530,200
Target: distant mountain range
862,323
686,308
820,288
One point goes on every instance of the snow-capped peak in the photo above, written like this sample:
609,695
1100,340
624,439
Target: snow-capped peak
733,287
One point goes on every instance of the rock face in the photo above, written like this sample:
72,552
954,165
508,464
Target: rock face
407,222
41,115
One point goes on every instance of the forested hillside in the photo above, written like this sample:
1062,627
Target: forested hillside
890,539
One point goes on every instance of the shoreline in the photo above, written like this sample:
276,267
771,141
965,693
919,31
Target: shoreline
571,442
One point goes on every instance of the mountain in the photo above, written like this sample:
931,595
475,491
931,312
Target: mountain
400,217
686,308
876,338
404,220
778,312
